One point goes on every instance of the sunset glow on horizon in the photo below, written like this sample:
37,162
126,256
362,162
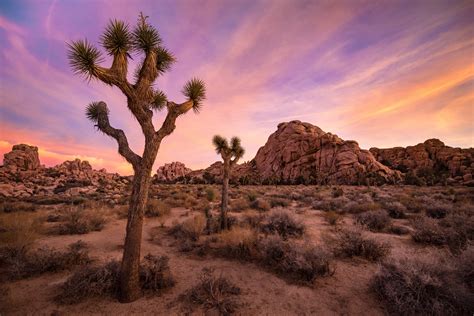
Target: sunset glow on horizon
383,73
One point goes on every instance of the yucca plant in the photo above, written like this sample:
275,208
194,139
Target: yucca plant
230,155
142,100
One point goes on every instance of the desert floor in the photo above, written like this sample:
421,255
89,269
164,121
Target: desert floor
347,291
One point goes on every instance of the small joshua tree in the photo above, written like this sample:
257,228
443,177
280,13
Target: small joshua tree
142,100
230,154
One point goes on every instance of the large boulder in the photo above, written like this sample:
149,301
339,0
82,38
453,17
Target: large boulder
301,152
22,158
171,172
432,162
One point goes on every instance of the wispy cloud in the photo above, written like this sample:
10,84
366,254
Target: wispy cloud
384,74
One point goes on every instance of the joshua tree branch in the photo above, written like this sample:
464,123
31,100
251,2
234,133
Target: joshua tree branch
174,110
104,126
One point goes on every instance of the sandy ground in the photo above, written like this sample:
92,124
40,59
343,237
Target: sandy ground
263,293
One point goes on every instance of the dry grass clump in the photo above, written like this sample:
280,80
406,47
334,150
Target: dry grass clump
19,230
300,263
361,207
11,207
261,205
284,224
453,231
332,218
213,294
374,220
77,220
395,209
352,243
90,281
239,204
23,264
210,194
423,287
295,261
438,210
337,204
157,208
97,281
190,228
237,243
337,192
279,202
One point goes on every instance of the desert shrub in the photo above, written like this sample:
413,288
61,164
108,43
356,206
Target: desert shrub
360,207
24,264
414,205
374,220
98,281
121,211
239,204
395,209
429,231
77,220
421,287
399,230
284,224
463,268
438,210
190,228
252,196
260,205
251,219
210,194
155,273
337,192
90,281
279,202
156,208
300,263
352,243
213,293
11,207
332,218
237,243
19,230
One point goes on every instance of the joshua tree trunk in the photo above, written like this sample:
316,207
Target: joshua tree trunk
129,272
130,268
225,194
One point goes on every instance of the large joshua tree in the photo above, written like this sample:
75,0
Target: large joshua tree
142,100
230,155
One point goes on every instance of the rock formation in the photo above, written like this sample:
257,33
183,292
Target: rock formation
22,176
22,158
432,162
171,171
303,153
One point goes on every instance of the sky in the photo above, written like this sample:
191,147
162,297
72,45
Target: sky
383,73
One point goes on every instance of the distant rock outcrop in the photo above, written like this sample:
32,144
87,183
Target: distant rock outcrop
431,162
303,153
22,176
170,172
22,158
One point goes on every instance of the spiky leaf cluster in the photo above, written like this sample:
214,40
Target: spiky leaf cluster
159,100
220,143
145,37
95,109
236,148
83,58
164,59
222,147
195,90
116,38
